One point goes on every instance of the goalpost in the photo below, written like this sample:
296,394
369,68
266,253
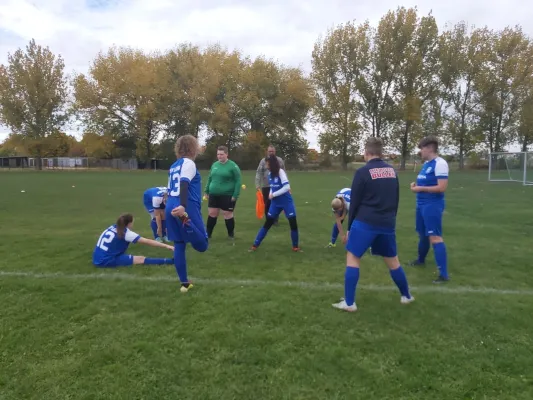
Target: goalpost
511,167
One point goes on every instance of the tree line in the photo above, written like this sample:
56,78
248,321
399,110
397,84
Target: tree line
399,80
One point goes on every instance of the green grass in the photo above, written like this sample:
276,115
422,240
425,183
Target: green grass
259,326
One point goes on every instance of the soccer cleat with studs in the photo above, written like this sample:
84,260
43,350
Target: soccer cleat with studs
440,280
185,287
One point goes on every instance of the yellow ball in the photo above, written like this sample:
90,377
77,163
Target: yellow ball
243,186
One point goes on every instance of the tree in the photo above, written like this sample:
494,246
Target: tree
337,62
376,82
224,121
185,93
123,94
416,85
525,117
463,56
33,96
501,84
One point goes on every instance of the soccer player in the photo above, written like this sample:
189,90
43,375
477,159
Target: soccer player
372,222
184,206
223,188
280,200
261,177
154,200
340,206
430,185
110,250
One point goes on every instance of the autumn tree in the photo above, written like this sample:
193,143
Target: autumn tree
416,84
337,62
122,93
501,84
462,56
186,86
33,96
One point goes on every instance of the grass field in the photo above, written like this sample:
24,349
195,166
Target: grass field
260,325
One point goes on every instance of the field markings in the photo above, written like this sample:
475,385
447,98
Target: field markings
257,282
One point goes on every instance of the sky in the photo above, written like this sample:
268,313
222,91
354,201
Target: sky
285,30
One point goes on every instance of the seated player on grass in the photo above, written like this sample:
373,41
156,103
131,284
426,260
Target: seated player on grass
281,200
154,200
114,241
340,207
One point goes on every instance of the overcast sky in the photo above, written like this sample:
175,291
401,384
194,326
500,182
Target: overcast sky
285,30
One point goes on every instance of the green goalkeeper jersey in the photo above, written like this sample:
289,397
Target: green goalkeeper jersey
224,180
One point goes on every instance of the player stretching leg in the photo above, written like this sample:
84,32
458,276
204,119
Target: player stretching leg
340,207
372,222
184,206
430,185
110,250
281,200
154,200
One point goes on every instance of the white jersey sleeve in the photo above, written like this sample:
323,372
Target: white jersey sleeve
283,177
188,170
157,201
441,168
131,236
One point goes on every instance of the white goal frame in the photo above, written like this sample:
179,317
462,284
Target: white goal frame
524,156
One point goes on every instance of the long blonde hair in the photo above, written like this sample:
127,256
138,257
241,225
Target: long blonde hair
187,146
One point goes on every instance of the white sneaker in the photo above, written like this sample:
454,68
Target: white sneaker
345,307
407,300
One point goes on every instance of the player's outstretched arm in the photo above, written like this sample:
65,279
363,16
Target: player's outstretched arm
153,243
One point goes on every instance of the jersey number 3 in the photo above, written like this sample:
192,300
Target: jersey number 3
175,184
105,238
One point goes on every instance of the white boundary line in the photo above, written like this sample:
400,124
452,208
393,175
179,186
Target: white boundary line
246,282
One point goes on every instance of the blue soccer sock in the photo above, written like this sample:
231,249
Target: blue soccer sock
260,236
423,248
295,238
441,258
158,261
399,278
180,262
196,237
351,277
153,225
164,227
334,234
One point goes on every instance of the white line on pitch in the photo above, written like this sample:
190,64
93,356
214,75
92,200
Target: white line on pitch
256,282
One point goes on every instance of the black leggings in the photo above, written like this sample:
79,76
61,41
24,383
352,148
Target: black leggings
270,221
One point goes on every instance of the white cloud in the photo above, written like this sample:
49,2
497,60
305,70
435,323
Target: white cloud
282,29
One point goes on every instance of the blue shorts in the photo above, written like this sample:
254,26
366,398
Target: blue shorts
363,236
429,219
175,229
123,260
275,209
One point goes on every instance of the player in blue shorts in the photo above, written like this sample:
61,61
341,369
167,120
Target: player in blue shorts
154,200
372,222
340,206
110,250
184,206
281,200
430,185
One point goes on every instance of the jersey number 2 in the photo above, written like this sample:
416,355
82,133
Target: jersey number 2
105,238
176,184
